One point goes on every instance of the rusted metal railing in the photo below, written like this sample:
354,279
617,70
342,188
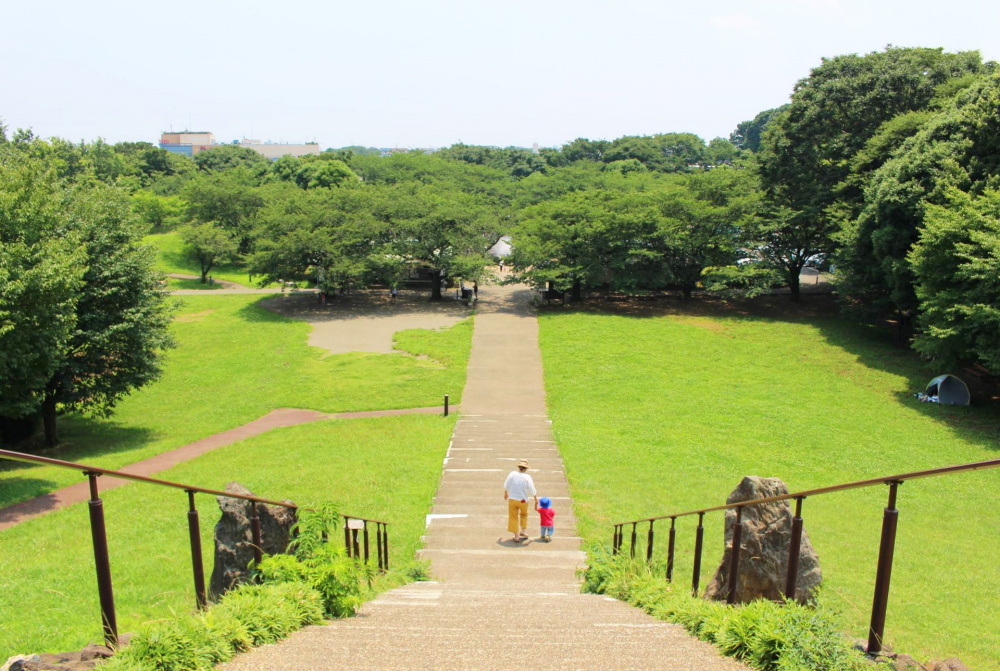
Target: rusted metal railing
105,589
890,517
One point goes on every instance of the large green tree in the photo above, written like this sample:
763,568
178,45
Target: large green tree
957,147
84,315
956,266
807,147
41,273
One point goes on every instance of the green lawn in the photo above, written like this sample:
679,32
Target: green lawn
665,414
234,363
172,259
385,468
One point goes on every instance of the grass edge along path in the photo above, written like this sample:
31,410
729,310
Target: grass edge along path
690,403
236,361
381,468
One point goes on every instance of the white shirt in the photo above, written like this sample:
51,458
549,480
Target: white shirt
519,486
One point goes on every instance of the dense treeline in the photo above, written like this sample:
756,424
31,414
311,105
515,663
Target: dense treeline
885,165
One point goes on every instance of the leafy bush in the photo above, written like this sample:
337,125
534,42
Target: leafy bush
248,616
768,636
320,562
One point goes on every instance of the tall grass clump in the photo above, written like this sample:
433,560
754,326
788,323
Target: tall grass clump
246,617
765,635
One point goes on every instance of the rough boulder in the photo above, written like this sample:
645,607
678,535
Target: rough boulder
234,537
766,535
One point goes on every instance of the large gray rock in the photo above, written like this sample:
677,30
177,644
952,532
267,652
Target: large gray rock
234,537
766,536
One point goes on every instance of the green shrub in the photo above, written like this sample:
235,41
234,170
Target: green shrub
320,562
248,616
765,635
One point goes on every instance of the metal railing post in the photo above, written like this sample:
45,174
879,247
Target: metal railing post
649,543
632,545
699,541
734,563
197,564
670,550
616,539
354,539
258,550
880,602
385,544
794,549
378,545
366,542
102,563
347,535
446,405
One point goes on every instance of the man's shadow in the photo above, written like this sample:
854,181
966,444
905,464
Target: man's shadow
511,543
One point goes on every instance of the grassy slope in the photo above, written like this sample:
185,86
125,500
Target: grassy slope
385,468
234,363
656,415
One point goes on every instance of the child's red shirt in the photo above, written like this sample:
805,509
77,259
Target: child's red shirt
546,515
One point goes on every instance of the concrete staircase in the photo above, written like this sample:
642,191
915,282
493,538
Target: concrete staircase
493,603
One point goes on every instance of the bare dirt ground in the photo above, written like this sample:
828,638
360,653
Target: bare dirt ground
366,321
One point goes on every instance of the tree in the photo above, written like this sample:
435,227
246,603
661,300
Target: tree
702,216
748,133
158,212
122,311
336,238
956,147
807,147
956,263
83,317
324,174
228,200
209,244
41,272
445,231
226,157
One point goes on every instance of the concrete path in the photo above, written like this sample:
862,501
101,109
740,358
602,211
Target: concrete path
495,604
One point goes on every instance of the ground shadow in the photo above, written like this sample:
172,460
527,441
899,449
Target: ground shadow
872,345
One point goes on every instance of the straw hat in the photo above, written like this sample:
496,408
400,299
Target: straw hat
523,463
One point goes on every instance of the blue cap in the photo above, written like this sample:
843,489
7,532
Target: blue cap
545,502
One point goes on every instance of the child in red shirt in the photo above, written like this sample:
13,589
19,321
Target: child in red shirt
545,514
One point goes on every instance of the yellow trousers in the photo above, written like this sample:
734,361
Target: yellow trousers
517,510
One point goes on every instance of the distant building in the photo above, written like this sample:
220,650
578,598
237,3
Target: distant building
187,143
192,143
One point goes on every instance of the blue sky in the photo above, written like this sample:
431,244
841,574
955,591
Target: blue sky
435,72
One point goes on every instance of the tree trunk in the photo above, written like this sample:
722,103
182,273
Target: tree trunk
49,420
436,285
793,284
686,293
577,290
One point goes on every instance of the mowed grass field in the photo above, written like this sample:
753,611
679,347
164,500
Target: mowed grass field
661,413
234,363
384,468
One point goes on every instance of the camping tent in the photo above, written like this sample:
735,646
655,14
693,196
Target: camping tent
949,390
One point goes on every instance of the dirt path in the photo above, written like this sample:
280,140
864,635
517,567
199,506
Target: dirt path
280,418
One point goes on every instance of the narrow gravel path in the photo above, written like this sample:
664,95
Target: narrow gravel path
495,604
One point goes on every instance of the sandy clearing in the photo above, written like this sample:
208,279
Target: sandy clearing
365,322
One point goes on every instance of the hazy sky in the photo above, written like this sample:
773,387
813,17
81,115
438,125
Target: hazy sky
430,73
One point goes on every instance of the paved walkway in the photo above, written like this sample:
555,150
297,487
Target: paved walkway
495,604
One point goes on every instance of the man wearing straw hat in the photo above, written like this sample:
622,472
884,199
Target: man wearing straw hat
518,488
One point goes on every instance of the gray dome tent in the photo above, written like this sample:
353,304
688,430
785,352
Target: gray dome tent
949,390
